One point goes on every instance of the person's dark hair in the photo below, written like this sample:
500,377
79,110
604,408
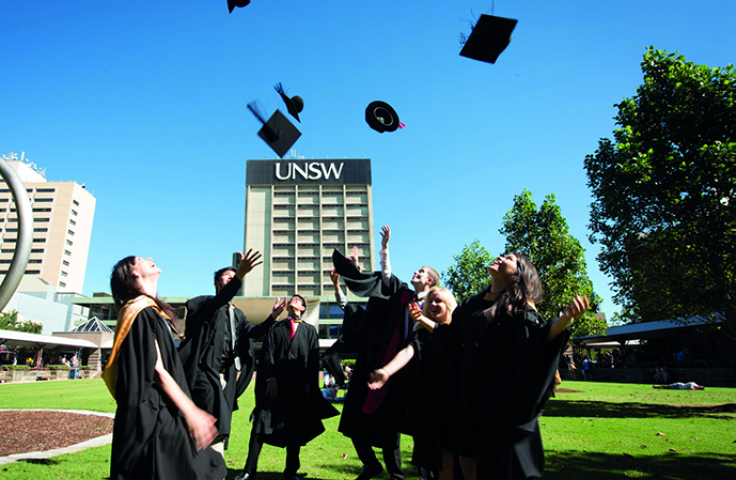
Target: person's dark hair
304,302
125,287
218,276
523,288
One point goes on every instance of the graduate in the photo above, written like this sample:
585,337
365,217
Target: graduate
218,353
159,433
289,403
508,356
375,418
432,396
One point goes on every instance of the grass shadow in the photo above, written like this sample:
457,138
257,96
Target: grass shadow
587,408
601,466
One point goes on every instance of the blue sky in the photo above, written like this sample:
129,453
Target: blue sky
145,103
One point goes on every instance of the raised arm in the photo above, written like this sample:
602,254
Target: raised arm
416,315
576,308
385,262
339,296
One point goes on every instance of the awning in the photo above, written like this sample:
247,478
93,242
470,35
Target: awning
9,337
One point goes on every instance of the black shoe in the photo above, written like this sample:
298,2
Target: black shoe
370,471
246,476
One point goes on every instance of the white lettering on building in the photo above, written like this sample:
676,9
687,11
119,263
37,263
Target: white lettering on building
308,171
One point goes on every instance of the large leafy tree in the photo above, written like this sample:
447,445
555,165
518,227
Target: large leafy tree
542,235
468,275
664,208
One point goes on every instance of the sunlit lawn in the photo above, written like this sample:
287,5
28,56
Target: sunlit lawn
597,431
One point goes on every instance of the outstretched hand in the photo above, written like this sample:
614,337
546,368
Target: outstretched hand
335,277
416,314
385,236
577,307
248,262
278,307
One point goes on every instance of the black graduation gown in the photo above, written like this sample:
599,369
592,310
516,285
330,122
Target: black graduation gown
150,437
430,399
519,369
384,313
201,353
295,416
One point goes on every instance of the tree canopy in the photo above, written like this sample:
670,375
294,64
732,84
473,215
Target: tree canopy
664,209
542,235
468,275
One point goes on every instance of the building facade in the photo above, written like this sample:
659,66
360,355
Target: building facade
296,213
63,213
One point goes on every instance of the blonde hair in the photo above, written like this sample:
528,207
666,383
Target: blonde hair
447,298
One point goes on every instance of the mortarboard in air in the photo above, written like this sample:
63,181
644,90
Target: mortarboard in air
231,4
490,36
294,104
278,132
381,117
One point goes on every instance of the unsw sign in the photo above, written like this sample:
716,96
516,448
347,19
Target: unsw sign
306,172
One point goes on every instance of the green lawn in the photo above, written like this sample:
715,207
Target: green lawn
598,431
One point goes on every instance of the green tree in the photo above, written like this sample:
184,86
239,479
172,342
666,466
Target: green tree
542,235
664,208
9,321
468,275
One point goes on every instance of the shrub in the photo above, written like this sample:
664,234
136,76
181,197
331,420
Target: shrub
15,367
58,367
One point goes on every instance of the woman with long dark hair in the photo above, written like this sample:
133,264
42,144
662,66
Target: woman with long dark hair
159,433
505,360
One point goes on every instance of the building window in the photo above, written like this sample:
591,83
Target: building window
35,261
39,240
33,250
74,212
72,222
64,274
70,232
76,203
42,220
40,209
62,284
10,240
33,272
13,220
43,199
5,261
69,242
40,229
65,263
11,229
45,190
7,250
67,253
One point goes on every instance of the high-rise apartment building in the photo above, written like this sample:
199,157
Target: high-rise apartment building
63,213
296,213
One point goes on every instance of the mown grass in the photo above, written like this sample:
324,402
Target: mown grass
597,431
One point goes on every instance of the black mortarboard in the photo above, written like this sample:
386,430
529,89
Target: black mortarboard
278,132
490,36
231,4
294,104
382,117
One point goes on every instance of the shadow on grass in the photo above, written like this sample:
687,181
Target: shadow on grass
602,466
584,408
